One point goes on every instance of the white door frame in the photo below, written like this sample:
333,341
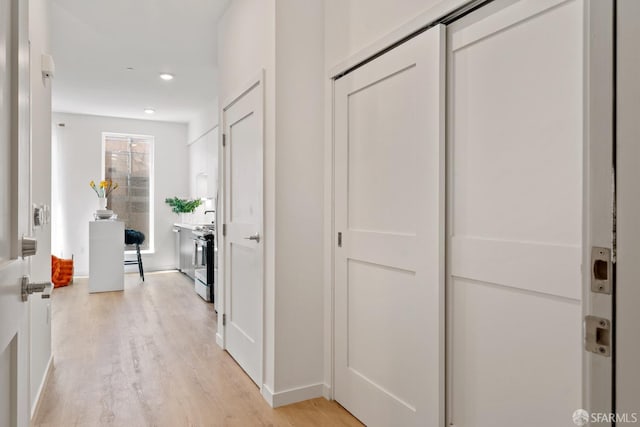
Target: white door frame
598,181
628,209
598,176
256,81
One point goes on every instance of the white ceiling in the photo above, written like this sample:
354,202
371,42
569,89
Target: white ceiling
94,41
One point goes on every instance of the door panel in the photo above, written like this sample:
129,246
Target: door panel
243,266
244,179
515,163
389,209
243,163
7,385
380,157
516,99
369,331
511,350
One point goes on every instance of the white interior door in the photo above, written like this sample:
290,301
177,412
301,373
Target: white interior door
514,288
243,243
14,212
389,216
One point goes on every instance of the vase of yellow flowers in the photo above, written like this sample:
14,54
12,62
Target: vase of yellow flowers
102,190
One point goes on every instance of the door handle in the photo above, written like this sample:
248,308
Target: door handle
29,288
255,237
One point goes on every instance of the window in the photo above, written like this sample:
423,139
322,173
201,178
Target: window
128,161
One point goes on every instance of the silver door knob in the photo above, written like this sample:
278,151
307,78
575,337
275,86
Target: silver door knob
255,237
29,288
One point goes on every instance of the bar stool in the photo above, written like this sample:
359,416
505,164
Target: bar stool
134,237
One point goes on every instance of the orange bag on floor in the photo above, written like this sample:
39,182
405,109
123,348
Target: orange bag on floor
61,271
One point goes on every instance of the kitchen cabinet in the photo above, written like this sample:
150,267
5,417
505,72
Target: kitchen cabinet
203,165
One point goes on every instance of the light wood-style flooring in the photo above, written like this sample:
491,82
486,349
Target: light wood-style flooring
147,357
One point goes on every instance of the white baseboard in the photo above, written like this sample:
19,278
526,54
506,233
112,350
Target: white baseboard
267,393
327,393
219,340
156,268
43,384
293,395
150,269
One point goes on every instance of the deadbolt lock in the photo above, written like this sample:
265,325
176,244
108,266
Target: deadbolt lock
29,246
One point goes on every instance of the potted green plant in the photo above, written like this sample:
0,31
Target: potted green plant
182,206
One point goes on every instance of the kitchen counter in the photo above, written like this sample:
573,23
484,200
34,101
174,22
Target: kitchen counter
187,226
191,226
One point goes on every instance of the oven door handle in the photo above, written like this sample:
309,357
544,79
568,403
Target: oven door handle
199,258
194,259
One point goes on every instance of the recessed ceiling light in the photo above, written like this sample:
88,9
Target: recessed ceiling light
166,76
149,110
130,68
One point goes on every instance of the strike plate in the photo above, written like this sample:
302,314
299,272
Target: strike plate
601,270
598,335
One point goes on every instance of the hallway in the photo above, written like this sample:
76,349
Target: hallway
147,357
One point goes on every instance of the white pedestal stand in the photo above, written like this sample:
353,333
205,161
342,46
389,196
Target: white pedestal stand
106,255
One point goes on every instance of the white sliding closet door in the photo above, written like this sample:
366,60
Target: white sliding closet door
389,256
514,291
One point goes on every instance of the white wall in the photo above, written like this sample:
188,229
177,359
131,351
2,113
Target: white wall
204,121
296,43
353,25
77,160
40,309
299,195
286,40
246,45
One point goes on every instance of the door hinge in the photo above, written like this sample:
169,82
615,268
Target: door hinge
340,239
224,320
224,229
224,140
